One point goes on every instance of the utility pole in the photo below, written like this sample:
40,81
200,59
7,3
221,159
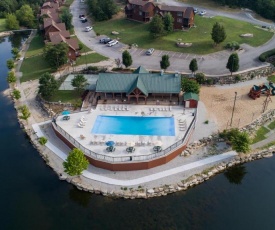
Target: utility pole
233,109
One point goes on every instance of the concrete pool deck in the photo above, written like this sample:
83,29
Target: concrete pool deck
143,144
141,177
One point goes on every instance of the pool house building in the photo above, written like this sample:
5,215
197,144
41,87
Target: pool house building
139,87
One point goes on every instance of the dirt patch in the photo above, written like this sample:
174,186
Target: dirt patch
219,104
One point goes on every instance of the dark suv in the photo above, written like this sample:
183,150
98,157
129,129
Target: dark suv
105,40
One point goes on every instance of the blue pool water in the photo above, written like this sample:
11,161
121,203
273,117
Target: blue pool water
127,125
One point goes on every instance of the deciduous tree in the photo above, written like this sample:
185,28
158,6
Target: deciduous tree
11,78
47,85
233,63
11,22
193,66
66,17
200,78
79,82
189,85
156,26
164,63
241,142
218,33
16,94
168,22
126,58
25,16
75,163
15,53
56,55
10,64
25,112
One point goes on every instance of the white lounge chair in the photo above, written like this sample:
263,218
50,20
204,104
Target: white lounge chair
79,125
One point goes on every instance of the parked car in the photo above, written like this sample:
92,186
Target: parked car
105,40
84,20
202,12
112,43
196,10
88,28
150,51
81,16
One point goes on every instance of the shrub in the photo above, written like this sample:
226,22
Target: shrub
237,78
209,81
200,78
232,45
42,140
266,55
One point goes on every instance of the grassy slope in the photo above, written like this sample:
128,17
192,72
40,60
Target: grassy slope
90,58
70,96
34,67
135,32
260,134
36,46
2,24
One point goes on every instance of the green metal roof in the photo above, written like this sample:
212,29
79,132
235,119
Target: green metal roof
146,82
141,69
138,84
189,95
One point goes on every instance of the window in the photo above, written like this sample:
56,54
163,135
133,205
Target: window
179,20
140,13
179,14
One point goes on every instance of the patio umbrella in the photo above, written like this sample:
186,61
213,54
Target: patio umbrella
65,112
158,143
110,143
131,144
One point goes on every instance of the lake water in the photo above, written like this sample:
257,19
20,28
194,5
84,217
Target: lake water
32,197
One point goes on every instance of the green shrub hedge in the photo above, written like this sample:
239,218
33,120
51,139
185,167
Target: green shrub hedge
266,55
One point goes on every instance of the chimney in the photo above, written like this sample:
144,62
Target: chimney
176,73
161,72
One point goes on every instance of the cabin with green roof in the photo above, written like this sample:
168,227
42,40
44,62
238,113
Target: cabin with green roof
139,86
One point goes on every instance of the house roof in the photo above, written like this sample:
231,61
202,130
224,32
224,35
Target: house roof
188,12
190,96
57,37
73,43
141,69
171,8
49,22
51,14
138,83
64,33
50,5
146,82
138,2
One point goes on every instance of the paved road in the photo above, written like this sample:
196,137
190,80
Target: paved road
211,64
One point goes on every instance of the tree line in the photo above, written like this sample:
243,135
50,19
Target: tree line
265,8
102,9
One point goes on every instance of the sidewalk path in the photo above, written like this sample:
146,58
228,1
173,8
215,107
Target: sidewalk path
140,180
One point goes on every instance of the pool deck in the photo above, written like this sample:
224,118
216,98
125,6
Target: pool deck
143,144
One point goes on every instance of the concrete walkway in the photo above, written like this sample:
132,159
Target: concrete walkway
140,180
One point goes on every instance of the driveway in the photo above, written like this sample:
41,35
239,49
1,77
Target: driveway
210,64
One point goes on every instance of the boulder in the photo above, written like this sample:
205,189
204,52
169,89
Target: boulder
150,191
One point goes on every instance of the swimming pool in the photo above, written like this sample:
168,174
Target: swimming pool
130,125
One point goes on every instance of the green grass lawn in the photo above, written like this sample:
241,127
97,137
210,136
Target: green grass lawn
134,32
2,24
271,78
271,125
90,58
36,46
260,134
66,96
34,67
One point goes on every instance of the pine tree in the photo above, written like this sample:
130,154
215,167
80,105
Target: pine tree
164,63
218,33
157,26
193,66
126,59
168,22
233,63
